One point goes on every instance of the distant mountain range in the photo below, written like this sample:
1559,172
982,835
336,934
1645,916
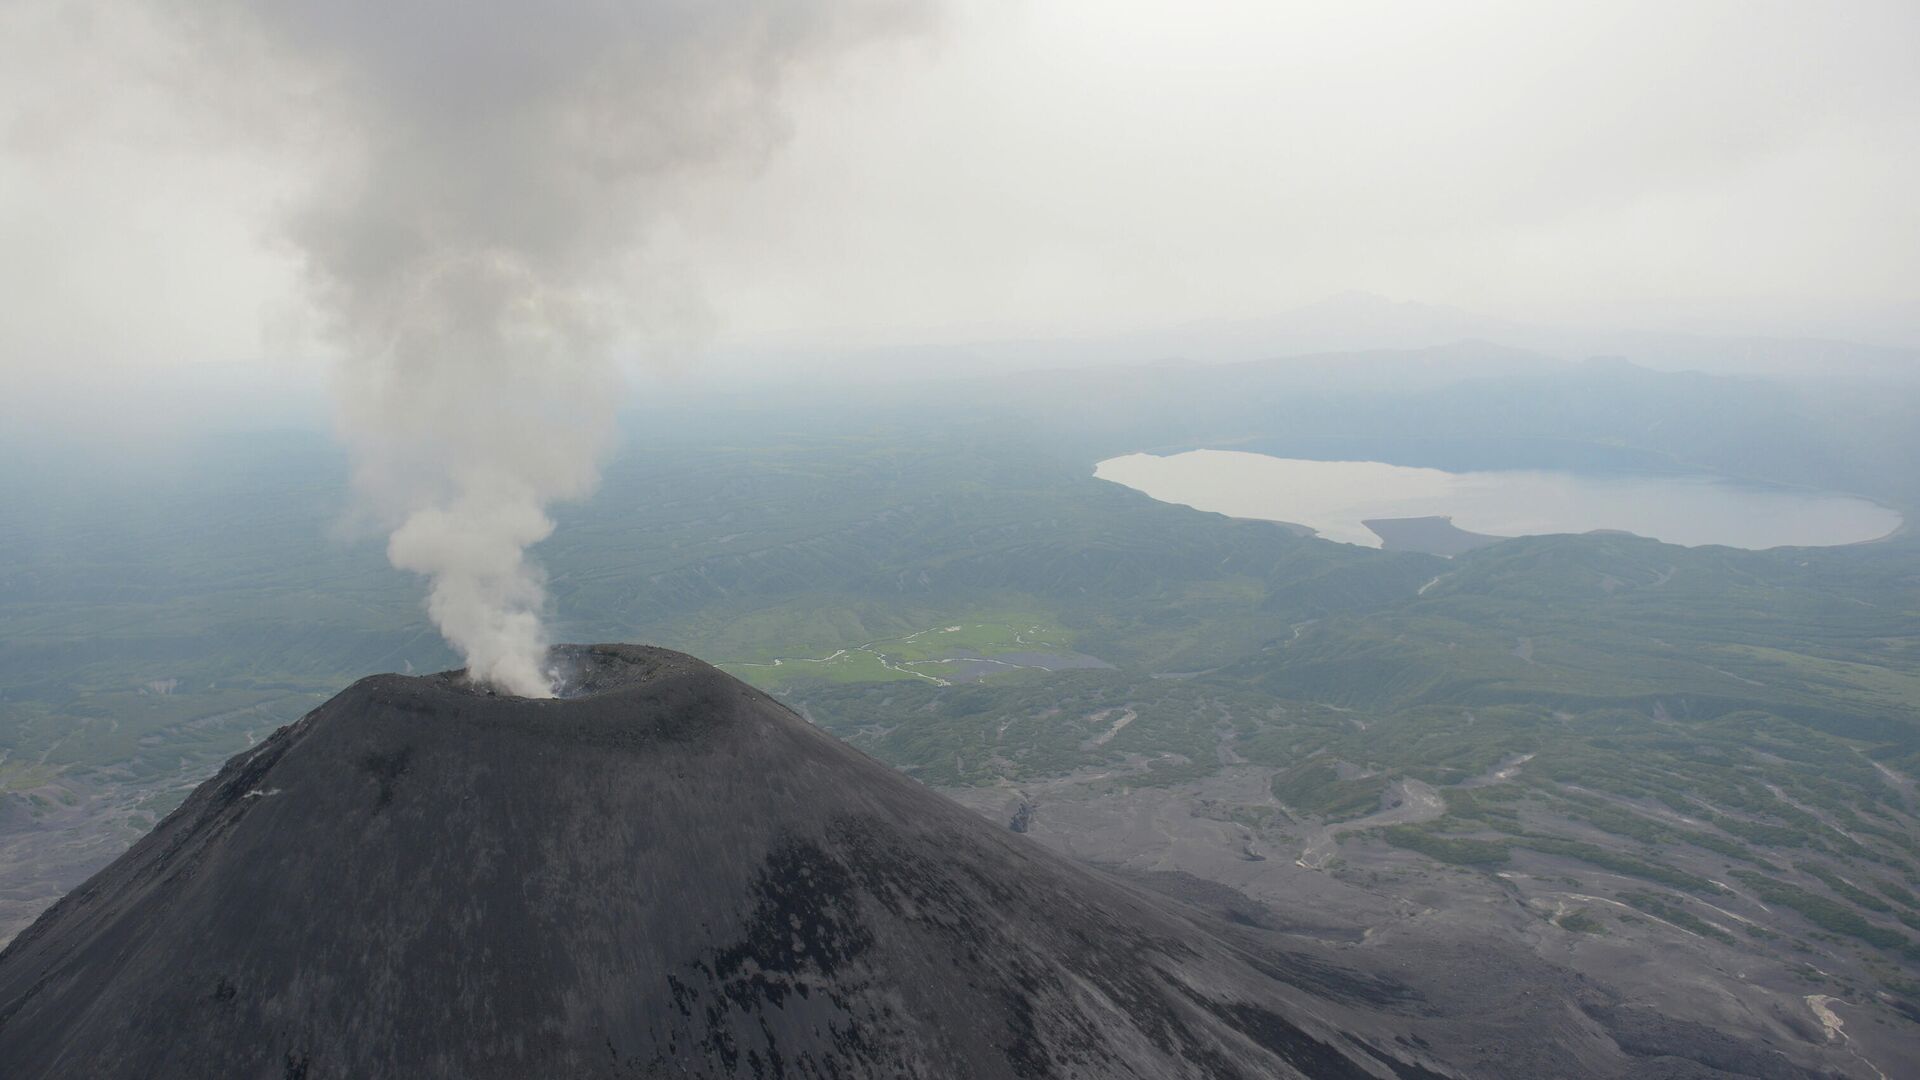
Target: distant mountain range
1346,323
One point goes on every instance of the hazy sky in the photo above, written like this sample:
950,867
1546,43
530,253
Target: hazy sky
1077,166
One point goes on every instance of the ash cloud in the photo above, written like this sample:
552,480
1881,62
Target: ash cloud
483,173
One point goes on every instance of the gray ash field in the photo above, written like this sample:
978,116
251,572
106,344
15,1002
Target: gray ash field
668,873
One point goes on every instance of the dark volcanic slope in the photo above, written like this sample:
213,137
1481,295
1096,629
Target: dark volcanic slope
670,874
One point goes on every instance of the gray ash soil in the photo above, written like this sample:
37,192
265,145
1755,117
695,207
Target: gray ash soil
1504,989
666,873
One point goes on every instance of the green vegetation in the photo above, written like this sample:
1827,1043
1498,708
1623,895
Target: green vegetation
1673,911
1317,788
1621,863
1824,913
1431,840
1845,888
1581,922
1460,851
958,652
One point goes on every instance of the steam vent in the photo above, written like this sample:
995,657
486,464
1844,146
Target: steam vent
666,873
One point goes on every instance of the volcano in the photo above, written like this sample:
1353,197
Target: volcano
665,873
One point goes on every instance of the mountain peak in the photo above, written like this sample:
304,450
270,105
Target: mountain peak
666,872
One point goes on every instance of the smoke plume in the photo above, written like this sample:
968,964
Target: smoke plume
484,170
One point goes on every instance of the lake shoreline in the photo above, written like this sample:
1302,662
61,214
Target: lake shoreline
1416,508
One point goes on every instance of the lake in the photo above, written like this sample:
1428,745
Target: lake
1336,499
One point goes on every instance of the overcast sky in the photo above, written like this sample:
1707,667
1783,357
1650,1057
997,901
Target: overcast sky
1084,166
